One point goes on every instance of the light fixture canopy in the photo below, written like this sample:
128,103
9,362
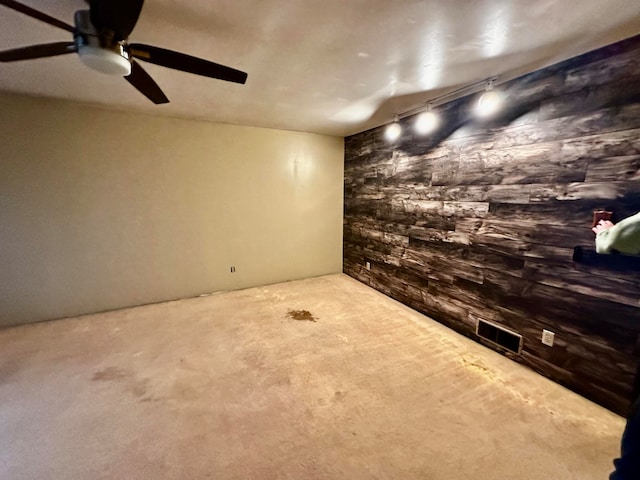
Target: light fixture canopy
393,130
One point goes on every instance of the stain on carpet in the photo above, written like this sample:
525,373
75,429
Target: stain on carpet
138,388
129,381
110,374
477,367
301,315
8,370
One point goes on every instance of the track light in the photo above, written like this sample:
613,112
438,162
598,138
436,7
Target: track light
426,122
489,102
393,130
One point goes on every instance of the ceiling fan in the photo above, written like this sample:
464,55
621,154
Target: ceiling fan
101,39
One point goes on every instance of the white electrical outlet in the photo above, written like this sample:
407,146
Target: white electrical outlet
548,337
368,265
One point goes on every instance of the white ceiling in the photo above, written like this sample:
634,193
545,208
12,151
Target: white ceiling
332,66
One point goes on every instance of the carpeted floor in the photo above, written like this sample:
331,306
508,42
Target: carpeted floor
314,379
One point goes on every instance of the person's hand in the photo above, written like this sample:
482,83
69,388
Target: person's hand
602,226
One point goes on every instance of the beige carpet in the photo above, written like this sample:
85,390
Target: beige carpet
232,386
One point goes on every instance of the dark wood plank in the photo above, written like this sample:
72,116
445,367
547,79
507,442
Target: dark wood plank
614,169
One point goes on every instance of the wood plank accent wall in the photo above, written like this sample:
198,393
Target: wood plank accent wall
479,221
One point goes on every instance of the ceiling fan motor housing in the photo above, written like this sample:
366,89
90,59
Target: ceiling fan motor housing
100,52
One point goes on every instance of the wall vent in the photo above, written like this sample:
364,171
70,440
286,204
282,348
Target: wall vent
499,336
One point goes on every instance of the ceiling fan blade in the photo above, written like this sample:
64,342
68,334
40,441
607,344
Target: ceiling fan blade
38,51
140,79
36,14
118,16
186,63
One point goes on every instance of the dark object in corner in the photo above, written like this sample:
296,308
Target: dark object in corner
628,465
614,261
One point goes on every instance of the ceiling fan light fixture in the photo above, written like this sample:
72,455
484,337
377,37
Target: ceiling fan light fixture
101,40
104,60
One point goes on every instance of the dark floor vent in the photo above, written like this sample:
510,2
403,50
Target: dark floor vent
500,336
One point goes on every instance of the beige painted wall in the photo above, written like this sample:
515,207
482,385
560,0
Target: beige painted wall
102,209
